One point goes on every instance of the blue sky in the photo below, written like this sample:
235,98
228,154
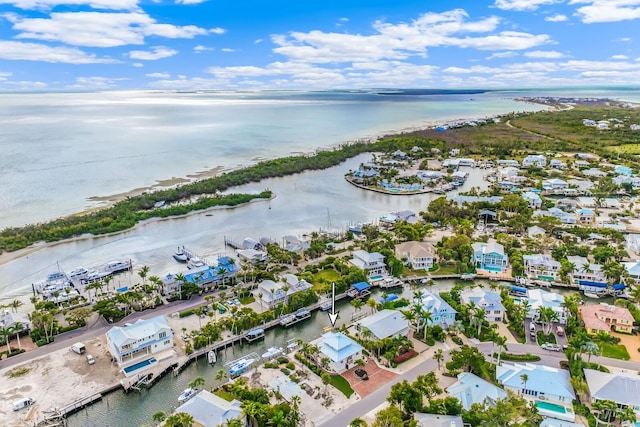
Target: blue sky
280,44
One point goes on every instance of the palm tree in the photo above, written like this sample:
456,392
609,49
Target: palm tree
6,334
357,304
179,419
425,318
524,378
17,328
326,380
372,304
439,356
250,410
15,304
181,279
197,382
159,416
502,345
221,375
260,295
144,270
478,317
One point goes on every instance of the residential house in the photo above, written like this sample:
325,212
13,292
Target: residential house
507,173
20,321
461,200
606,318
587,202
341,351
208,409
567,204
633,244
270,293
584,270
252,255
557,164
418,255
551,422
634,127
384,324
508,163
534,231
139,340
594,172
490,301
534,160
437,420
398,154
541,267
470,389
205,276
583,185
459,176
554,184
540,298
544,385
371,263
622,170
490,256
633,268
585,216
622,179
441,312
533,199
623,388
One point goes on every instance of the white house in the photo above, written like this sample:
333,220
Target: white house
140,340
535,231
585,216
419,255
208,409
543,385
507,173
384,324
584,270
341,351
554,184
272,293
470,389
490,256
537,160
490,301
541,267
621,388
441,312
371,263
540,298
557,164
437,420
533,199
9,319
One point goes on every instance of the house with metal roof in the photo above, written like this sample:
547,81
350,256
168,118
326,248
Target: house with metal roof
584,270
490,256
341,351
371,263
490,301
585,216
441,312
141,339
534,160
551,422
384,324
437,420
622,388
209,410
419,255
533,199
470,389
271,293
540,298
554,184
548,388
541,267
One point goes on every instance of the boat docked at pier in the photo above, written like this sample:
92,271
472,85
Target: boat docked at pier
254,335
272,353
180,255
326,306
187,394
241,366
212,358
195,262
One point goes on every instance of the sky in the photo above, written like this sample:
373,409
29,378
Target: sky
282,44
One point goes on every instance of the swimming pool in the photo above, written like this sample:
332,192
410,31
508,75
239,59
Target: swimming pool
139,365
497,269
555,410
378,277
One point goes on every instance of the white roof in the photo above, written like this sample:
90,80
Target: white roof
143,328
470,389
543,379
621,388
385,323
208,409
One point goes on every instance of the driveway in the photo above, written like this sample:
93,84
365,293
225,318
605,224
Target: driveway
377,378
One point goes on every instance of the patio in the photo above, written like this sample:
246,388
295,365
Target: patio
377,377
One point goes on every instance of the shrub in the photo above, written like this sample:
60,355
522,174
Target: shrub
282,360
284,371
456,339
518,357
186,313
291,366
431,341
405,356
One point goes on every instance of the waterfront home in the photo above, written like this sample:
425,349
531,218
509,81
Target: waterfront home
594,173
623,388
418,255
554,184
633,243
470,389
548,388
139,340
557,164
535,231
293,244
587,202
564,217
430,175
252,255
633,268
208,409
508,173
606,318
371,263
508,163
551,422
437,420
583,270
585,216
582,185
9,319
541,267
490,301
490,256
341,351
461,200
441,312
534,160
205,276
540,298
568,204
364,174
384,324
270,293
398,154
533,199
622,170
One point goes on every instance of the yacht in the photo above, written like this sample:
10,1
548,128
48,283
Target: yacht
591,295
79,273
180,255
195,262
187,394
117,266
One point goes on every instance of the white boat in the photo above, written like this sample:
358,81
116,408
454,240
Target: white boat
240,367
272,353
591,295
117,266
286,320
212,357
326,306
180,255
195,262
79,273
187,394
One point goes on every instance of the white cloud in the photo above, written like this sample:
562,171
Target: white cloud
547,54
138,64
38,52
95,4
607,10
521,4
157,52
190,1
619,57
507,54
99,29
217,30
95,82
258,41
623,39
227,49
201,48
158,75
5,74
26,84
556,18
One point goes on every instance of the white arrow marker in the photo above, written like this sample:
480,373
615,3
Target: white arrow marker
333,316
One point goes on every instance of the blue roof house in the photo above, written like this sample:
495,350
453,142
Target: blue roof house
341,350
490,256
548,388
441,312
470,389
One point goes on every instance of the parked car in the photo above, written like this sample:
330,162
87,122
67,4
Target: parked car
23,403
90,359
237,301
550,347
559,330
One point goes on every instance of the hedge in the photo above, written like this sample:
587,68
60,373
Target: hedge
405,356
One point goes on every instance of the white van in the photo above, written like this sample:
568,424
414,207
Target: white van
79,348
23,403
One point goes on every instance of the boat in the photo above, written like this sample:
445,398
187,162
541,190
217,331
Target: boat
117,266
468,276
591,295
94,276
187,394
79,273
159,204
303,314
254,334
288,319
355,228
326,306
195,262
240,367
180,255
212,357
272,353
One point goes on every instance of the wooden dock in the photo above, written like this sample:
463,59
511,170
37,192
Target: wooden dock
60,413
228,241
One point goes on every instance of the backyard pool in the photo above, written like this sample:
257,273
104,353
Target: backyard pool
129,369
555,410
374,278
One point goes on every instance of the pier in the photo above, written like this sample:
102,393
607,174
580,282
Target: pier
228,241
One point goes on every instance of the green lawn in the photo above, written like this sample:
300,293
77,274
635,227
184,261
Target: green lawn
324,276
341,384
445,269
542,338
615,351
247,300
224,394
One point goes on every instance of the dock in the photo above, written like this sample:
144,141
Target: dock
235,244
57,414
292,319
